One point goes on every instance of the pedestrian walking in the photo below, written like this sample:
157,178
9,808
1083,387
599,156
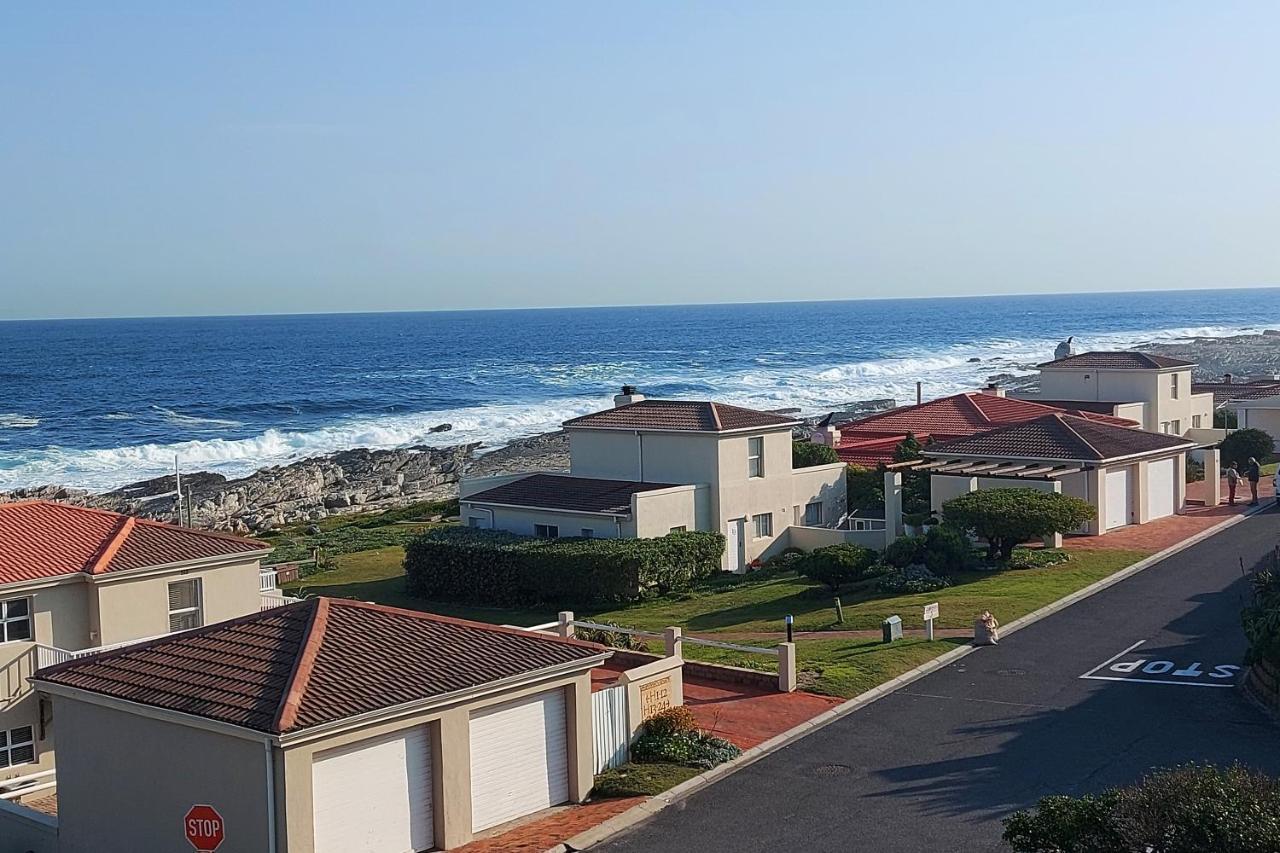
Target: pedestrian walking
1233,480
1253,473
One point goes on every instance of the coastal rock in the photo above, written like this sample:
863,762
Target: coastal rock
441,428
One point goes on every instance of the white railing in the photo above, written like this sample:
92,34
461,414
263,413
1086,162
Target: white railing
270,601
49,655
266,580
20,786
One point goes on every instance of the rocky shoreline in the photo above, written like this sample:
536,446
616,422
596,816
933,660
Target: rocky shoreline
364,480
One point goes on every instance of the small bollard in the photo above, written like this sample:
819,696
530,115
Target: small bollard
892,628
839,612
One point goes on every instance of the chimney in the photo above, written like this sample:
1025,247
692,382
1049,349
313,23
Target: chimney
994,390
629,395
1226,378
919,393
826,432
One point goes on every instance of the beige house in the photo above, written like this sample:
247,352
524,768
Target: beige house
74,580
325,726
649,467
1153,390
1257,413
1130,476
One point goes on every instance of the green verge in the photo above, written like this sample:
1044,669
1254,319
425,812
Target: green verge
641,780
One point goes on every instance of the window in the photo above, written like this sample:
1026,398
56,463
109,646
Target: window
1195,421
680,528
1164,426
813,514
764,525
15,620
588,533
1173,385
17,746
546,531
1175,427
185,610
755,456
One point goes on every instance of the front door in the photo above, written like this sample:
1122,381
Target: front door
733,544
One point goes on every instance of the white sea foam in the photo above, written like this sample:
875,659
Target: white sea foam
13,420
812,389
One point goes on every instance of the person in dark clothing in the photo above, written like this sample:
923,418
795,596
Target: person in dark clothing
1253,473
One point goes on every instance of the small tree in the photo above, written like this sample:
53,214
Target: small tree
1244,443
1008,517
864,488
1224,419
806,454
837,565
908,449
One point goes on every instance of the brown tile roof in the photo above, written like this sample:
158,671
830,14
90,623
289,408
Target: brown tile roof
681,416
318,661
43,539
1225,391
1060,437
1122,360
581,494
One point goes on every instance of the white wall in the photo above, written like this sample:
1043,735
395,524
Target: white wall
1150,387
522,521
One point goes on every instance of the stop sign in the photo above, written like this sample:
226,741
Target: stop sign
204,829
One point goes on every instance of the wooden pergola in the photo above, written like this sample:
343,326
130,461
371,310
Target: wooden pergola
989,468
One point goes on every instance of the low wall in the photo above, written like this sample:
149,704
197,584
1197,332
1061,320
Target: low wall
1262,682
808,538
24,830
651,689
734,675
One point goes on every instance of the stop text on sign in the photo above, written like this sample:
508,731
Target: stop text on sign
204,828
1133,665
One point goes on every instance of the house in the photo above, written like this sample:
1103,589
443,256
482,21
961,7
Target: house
871,441
1130,476
1153,390
1228,390
646,468
1257,412
324,726
74,580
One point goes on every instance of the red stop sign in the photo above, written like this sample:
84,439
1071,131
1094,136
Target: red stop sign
204,828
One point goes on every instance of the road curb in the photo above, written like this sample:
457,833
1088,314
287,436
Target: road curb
588,838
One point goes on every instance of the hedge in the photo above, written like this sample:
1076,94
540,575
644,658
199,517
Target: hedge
472,566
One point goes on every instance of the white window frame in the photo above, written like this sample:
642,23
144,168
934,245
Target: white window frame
765,520
679,528
546,531
6,620
1173,386
817,505
755,456
8,745
1175,426
1196,420
197,609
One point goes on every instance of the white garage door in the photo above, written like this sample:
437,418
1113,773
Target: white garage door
1160,488
519,759
1117,498
374,795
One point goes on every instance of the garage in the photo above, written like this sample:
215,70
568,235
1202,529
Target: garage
1160,488
384,782
1118,491
519,759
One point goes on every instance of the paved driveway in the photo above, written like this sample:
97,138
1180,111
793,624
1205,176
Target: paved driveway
938,764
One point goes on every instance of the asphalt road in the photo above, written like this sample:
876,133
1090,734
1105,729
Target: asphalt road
938,764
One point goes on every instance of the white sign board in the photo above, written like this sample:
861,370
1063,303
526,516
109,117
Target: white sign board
931,611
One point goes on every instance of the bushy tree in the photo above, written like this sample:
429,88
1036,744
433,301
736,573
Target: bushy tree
837,565
806,454
1008,517
947,550
908,449
864,488
1244,443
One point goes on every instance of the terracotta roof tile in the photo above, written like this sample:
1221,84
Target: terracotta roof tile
1225,391
555,491
681,416
1055,437
43,539
1121,360
315,662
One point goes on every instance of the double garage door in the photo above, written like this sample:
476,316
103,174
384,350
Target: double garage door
375,796
1160,495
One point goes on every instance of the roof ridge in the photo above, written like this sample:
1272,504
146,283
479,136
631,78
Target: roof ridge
303,665
715,415
1063,420
103,561
199,531
973,404
426,616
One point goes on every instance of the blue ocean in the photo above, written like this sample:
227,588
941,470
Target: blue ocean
98,403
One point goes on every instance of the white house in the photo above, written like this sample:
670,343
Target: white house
1257,413
650,467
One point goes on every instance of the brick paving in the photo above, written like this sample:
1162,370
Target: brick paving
550,828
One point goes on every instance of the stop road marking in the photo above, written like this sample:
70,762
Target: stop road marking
1134,665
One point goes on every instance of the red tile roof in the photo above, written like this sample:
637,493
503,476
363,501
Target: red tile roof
555,491
681,416
318,661
1060,437
42,539
1121,360
871,440
1225,391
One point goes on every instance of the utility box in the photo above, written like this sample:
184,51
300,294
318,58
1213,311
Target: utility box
892,629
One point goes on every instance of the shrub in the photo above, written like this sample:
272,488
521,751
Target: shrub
1195,470
1025,558
904,551
948,550
806,454
1243,443
494,568
1261,619
612,639
864,489
911,579
692,749
836,565
641,780
1184,810
1009,517
676,720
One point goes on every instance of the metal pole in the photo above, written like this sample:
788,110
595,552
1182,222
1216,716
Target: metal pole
177,488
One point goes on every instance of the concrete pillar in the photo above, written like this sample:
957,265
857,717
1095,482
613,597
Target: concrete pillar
1140,490
564,626
672,639
892,506
1212,477
451,776
1180,484
1097,482
787,667
582,761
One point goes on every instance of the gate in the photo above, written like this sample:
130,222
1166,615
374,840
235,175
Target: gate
609,727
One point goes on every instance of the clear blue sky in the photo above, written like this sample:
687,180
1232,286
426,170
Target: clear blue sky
194,158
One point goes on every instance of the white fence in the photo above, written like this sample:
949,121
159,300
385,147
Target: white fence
270,601
609,724
49,655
